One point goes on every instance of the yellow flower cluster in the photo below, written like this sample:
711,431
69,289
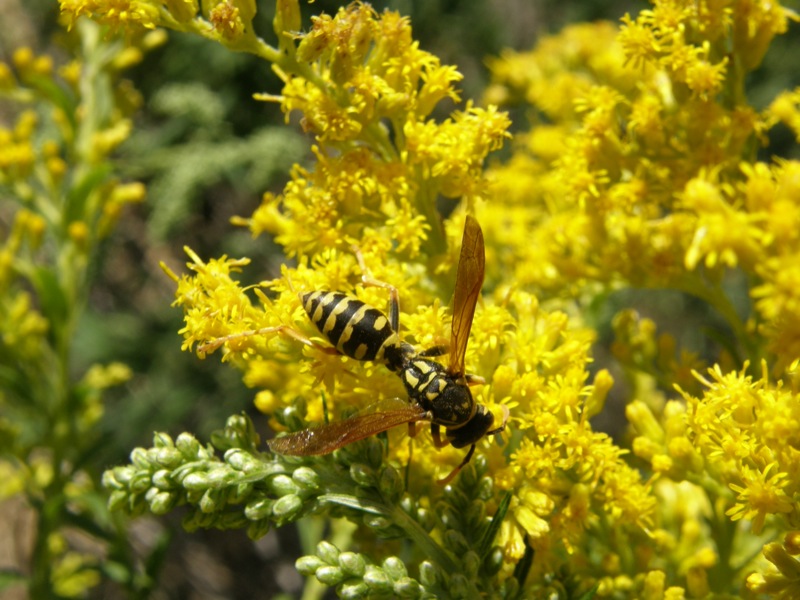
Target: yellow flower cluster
118,13
366,91
640,169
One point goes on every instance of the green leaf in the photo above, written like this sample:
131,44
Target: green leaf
53,300
485,545
75,209
356,503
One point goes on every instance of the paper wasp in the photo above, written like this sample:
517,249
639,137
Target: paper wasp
437,394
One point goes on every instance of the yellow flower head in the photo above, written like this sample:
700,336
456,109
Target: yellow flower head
116,13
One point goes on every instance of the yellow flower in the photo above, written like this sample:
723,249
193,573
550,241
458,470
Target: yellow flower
116,13
226,21
760,495
703,77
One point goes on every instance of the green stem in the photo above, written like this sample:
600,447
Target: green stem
398,517
715,297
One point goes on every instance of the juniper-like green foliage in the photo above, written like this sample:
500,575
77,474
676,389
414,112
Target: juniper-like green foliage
231,484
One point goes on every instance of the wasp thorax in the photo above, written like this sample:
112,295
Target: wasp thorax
451,401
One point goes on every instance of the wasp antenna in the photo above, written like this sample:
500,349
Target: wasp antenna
284,329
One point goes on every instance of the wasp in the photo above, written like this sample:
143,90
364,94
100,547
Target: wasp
436,393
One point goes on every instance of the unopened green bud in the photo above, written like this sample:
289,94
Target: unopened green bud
118,477
161,502
408,504
455,542
363,475
476,513
352,564
258,529
118,500
472,564
140,459
374,453
456,496
308,565
287,506
447,515
140,483
307,478
511,586
220,476
330,575
328,552
258,509
459,586
188,445
241,492
390,484
376,521
468,478
429,574
168,456
352,591
377,579
406,587
283,485
395,568
162,440
425,518
485,489
241,460
211,502
162,480
195,481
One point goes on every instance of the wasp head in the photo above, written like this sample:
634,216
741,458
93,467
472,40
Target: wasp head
477,427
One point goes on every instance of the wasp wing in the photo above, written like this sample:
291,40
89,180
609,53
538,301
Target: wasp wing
469,279
332,436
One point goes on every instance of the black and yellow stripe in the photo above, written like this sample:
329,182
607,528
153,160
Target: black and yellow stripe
355,328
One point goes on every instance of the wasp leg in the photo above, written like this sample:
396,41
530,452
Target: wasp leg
284,329
456,471
436,434
474,379
394,295
438,442
439,350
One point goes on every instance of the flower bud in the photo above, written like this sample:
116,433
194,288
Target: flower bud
429,574
377,580
258,509
306,478
287,507
328,552
308,565
330,575
352,564
395,568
